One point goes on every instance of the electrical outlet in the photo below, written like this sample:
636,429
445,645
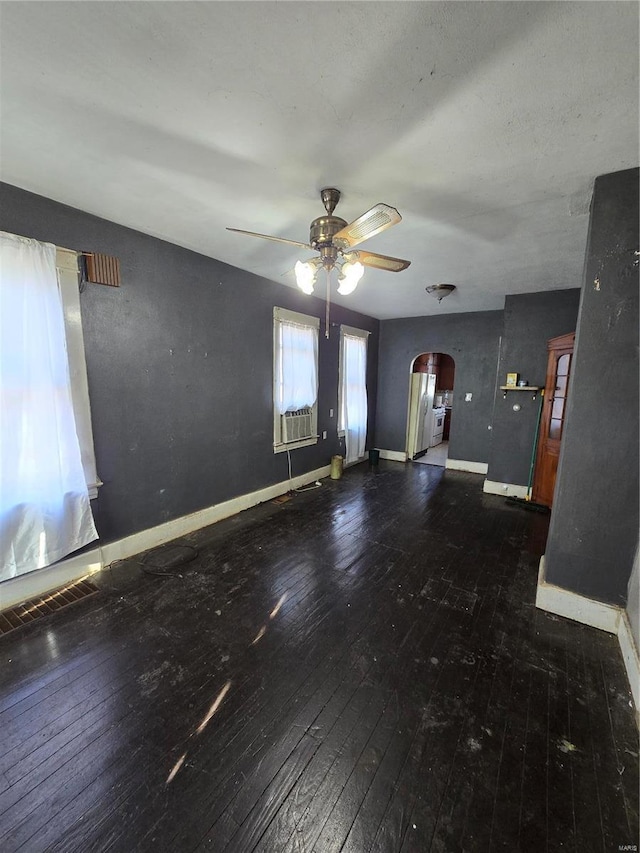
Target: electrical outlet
467,397
330,413
324,433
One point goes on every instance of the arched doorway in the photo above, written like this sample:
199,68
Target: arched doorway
430,408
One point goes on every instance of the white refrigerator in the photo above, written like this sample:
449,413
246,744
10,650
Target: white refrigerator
423,388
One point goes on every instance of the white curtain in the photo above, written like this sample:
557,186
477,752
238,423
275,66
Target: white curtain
354,395
296,366
44,506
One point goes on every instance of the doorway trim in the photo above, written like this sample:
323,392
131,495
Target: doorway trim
407,431
407,448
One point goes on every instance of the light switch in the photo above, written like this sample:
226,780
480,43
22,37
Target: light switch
330,413
324,433
467,397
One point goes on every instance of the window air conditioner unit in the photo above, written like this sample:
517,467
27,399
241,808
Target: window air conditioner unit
296,426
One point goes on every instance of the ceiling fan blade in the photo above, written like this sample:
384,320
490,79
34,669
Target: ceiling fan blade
380,262
380,216
268,237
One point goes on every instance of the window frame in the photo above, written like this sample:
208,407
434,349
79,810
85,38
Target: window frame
68,286
354,333
280,315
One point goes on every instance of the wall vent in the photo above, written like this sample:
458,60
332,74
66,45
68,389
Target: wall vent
102,269
296,426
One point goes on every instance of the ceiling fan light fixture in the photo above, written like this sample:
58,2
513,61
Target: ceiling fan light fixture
305,276
439,291
334,239
350,275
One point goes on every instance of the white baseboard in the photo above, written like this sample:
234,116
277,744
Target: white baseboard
16,590
463,465
154,536
393,455
571,605
42,581
507,490
358,461
596,614
453,464
631,659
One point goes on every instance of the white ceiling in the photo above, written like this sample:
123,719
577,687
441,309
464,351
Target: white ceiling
483,123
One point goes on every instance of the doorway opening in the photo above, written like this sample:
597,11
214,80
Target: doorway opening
430,408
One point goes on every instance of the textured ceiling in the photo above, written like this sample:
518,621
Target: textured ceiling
483,123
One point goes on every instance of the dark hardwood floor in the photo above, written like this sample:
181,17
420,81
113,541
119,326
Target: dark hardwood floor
361,668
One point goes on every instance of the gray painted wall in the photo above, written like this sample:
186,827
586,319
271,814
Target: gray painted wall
179,361
530,319
594,525
472,340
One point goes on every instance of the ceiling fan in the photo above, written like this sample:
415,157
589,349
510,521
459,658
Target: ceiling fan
335,239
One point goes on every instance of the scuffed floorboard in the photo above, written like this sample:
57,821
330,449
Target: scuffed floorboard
360,668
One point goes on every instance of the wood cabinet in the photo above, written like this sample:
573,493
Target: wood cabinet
447,425
428,362
439,363
446,373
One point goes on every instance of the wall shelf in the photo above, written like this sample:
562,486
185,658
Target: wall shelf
531,388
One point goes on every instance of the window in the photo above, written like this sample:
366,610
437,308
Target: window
44,501
352,391
295,380
67,268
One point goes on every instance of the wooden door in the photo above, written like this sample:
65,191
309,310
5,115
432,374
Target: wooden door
553,414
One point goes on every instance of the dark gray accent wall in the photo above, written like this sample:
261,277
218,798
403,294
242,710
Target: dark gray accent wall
179,362
594,524
530,320
472,340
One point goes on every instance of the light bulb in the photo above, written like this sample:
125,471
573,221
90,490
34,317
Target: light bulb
350,275
305,276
